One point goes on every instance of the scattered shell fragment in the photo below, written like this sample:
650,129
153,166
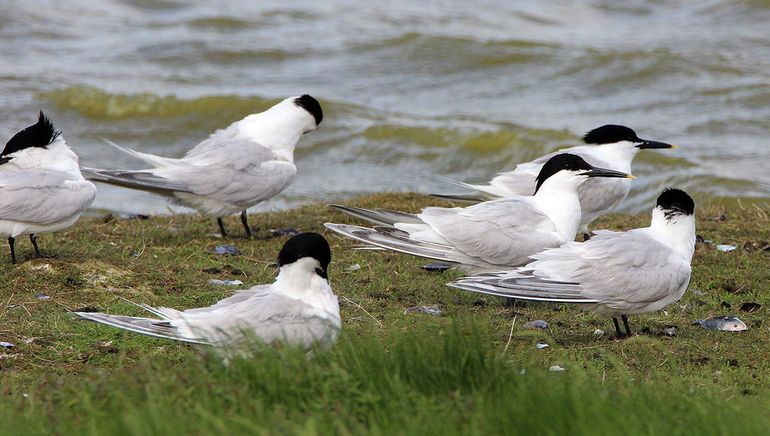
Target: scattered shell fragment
42,296
598,333
435,267
723,323
7,345
430,310
726,247
670,331
541,345
225,282
557,368
226,249
537,324
354,267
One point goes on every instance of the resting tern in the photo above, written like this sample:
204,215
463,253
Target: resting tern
41,188
298,308
614,273
609,146
490,235
250,161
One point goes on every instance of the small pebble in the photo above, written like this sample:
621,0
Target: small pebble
430,310
226,249
42,297
670,331
557,368
225,282
537,324
541,345
598,333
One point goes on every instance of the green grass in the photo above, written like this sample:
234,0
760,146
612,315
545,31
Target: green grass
473,369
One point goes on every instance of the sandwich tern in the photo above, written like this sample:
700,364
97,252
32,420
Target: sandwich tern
609,146
41,187
250,161
614,273
490,235
298,308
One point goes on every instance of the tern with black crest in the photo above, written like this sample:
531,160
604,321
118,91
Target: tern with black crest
489,235
298,308
250,161
41,187
610,146
614,274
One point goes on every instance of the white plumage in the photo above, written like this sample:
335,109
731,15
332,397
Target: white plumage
299,308
41,187
250,161
614,273
613,147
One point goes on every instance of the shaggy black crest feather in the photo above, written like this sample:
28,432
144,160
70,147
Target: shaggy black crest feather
610,134
306,245
312,106
40,134
675,201
563,161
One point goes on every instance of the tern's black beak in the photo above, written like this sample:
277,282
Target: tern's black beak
604,172
645,144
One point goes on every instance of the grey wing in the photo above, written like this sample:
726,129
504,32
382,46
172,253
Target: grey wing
599,196
268,316
621,270
43,196
239,172
501,232
236,298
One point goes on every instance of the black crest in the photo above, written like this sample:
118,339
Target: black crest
312,106
563,161
40,134
610,134
306,245
675,201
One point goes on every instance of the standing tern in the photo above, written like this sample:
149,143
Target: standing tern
41,187
298,308
490,235
614,273
250,161
609,146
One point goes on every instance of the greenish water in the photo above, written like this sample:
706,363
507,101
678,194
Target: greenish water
459,89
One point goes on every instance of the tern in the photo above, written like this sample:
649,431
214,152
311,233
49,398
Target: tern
298,308
609,146
490,235
41,187
614,273
250,161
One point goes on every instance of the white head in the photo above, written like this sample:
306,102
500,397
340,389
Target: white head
39,146
280,127
565,172
673,220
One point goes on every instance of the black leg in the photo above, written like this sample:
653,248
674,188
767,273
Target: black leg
586,236
11,242
245,221
33,239
221,227
625,324
617,328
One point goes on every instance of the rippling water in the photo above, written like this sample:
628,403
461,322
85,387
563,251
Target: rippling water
463,89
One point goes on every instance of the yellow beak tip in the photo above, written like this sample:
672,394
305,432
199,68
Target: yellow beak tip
630,176
674,147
